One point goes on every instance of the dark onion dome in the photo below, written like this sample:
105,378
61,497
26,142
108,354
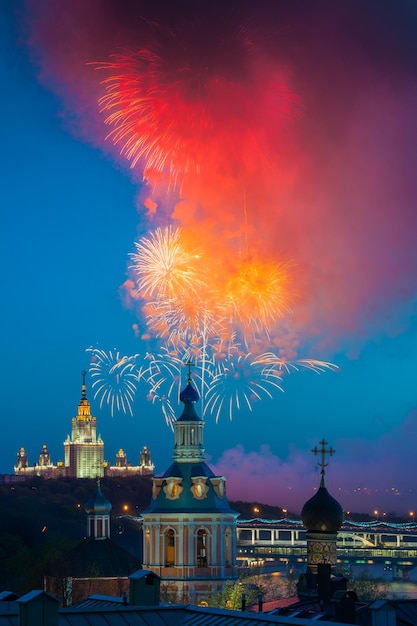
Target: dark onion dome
322,513
98,504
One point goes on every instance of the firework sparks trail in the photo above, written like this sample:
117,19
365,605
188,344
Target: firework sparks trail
239,382
174,114
195,96
227,378
114,379
162,375
176,118
258,294
283,365
197,294
164,267
209,316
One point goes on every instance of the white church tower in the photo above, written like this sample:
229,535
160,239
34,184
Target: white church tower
189,529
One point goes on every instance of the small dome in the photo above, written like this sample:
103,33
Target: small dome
98,504
322,513
189,394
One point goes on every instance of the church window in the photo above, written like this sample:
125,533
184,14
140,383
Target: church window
202,548
169,548
227,540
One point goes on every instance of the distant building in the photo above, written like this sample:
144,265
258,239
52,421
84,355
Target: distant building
189,529
83,452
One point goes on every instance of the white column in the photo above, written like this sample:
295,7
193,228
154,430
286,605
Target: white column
157,539
191,546
215,541
179,543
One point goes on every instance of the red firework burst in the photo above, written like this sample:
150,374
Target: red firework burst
175,109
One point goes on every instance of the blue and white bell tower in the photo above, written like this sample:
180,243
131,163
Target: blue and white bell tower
189,529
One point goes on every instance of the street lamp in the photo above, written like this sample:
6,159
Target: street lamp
285,511
376,514
412,515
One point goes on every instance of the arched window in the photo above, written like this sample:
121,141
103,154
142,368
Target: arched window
202,548
227,548
169,548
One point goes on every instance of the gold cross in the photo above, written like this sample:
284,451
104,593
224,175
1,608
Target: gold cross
323,452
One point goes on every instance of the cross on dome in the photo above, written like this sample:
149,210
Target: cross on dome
189,364
323,443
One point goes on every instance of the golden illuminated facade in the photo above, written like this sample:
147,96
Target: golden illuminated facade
83,450
189,529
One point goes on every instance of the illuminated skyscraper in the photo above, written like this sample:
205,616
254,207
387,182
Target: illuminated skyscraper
189,528
83,453
83,450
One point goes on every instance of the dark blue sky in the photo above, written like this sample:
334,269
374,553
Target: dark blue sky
70,221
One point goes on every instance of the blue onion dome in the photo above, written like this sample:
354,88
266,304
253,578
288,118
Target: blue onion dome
322,513
98,504
189,394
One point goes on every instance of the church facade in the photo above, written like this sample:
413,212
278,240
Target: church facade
189,529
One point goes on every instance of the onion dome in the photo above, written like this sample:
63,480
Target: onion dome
322,513
98,504
189,396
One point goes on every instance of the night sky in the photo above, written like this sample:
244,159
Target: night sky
297,132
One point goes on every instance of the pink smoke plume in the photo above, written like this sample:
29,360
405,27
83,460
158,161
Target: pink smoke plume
330,186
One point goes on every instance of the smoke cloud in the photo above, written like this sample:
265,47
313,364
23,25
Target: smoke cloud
316,105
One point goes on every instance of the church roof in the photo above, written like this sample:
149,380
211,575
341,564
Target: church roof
186,475
96,559
189,485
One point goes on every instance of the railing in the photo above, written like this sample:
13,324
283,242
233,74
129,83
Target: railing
356,536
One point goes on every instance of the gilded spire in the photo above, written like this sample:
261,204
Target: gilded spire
83,405
323,443
83,387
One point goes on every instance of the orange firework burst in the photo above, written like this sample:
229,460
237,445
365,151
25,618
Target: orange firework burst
184,318
258,294
189,293
164,267
172,279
